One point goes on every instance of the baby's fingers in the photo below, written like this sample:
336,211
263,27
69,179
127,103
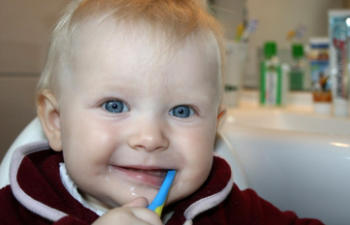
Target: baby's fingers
129,216
134,212
138,208
147,216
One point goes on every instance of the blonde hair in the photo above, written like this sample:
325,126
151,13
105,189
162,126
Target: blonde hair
178,19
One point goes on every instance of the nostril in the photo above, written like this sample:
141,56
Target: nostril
148,142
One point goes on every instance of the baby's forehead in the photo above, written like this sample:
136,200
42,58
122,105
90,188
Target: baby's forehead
100,50
92,33
154,44
108,30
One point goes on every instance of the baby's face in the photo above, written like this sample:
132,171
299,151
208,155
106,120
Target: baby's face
128,115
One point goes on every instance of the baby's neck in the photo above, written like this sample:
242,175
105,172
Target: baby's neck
88,201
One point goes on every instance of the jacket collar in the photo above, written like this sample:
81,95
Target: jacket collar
29,193
214,191
35,183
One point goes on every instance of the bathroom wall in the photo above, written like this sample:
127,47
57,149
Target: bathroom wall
346,3
17,106
24,35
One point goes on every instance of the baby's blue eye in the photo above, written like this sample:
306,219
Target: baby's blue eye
115,106
182,111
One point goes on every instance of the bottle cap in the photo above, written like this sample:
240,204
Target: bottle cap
270,49
322,43
297,51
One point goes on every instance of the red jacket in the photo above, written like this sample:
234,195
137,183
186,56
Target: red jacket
38,197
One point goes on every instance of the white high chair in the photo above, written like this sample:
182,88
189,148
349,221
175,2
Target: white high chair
33,132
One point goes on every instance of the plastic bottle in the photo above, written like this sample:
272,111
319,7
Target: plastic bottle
271,82
339,31
297,74
320,75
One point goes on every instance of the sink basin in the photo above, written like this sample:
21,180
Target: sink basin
284,120
297,161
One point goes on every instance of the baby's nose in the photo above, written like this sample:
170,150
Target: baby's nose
149,137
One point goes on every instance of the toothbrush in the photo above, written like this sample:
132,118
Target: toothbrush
159,201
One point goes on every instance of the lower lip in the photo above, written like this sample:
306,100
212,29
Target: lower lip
143,176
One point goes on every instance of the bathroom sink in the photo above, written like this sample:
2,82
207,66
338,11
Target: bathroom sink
297,161
285,120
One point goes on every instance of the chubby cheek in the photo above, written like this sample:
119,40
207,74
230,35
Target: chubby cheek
190,178
87,145
197,151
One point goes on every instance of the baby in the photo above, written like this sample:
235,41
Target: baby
130,90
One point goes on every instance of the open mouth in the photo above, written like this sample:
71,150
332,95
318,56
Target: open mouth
152,177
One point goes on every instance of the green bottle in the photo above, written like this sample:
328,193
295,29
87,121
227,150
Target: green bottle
270,76
297,71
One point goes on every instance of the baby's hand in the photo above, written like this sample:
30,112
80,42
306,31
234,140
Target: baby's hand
135,212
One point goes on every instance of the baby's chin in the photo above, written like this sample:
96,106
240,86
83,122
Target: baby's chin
110,203
102,204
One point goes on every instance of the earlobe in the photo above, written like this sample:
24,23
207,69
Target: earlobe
48,113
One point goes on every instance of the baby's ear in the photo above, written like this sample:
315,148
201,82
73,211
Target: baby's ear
48,113
220,117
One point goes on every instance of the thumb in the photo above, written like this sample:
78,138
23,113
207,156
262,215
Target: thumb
139,202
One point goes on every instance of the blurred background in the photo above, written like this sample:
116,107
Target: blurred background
25,27
275,19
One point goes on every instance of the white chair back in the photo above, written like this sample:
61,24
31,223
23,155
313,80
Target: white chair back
31,133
